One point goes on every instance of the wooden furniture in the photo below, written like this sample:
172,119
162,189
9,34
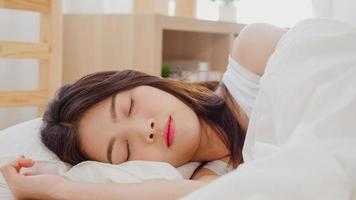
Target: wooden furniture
143,42
47,51
185,8
150,6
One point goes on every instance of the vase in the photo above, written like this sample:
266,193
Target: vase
227,13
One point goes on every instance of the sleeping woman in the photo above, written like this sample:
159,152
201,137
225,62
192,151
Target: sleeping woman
118,116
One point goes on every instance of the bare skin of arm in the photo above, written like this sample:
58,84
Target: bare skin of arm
152,189
255,45
252,49
57,187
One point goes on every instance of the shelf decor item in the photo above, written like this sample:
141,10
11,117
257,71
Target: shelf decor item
227,10
166,71
191,71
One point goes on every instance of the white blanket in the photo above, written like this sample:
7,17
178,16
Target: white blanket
301,142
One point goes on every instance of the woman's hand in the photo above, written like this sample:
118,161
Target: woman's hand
25,186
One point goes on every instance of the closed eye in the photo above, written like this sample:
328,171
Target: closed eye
132,104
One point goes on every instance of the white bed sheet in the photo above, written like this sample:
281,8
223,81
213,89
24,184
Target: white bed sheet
301,142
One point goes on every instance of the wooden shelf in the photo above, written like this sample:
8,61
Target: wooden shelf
93,43
48,51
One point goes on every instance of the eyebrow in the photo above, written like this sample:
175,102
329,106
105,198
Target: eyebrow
109,151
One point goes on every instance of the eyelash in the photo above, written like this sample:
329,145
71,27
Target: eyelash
128,150
132,104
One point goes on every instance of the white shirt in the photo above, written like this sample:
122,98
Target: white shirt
243,86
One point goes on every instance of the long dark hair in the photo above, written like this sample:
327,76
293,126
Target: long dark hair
59,130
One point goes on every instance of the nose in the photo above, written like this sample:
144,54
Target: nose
147,130
151,130
142,129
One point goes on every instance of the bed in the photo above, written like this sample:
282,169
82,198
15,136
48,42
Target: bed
301,143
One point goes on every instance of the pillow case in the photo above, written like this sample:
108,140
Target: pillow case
24,138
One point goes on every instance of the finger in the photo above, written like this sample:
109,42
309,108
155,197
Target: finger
12,170
16,166
22,162
26,162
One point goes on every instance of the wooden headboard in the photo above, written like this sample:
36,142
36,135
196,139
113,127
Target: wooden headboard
48,51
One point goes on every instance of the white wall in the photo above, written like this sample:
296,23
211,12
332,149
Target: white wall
343,10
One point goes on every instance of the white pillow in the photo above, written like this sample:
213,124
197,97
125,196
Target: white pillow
128,172
24,138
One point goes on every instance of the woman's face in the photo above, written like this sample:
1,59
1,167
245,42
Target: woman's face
135,122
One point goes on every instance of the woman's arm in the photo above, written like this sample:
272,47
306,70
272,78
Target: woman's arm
58,187
153,189
255,44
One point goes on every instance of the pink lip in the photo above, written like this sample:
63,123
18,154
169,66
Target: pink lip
169,131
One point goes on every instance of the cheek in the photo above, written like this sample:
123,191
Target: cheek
188,130
189,122
149,155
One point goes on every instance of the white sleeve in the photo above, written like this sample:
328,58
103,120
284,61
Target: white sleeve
242,84
219,167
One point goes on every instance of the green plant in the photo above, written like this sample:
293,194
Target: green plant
225,2
166,70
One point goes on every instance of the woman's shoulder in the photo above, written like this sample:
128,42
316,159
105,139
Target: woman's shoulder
255,44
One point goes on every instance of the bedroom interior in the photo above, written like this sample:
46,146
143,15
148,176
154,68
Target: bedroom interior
179,33
45,44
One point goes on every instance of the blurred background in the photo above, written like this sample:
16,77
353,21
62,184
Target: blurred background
186,40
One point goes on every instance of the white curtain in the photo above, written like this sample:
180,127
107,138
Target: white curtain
343,10
283,13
